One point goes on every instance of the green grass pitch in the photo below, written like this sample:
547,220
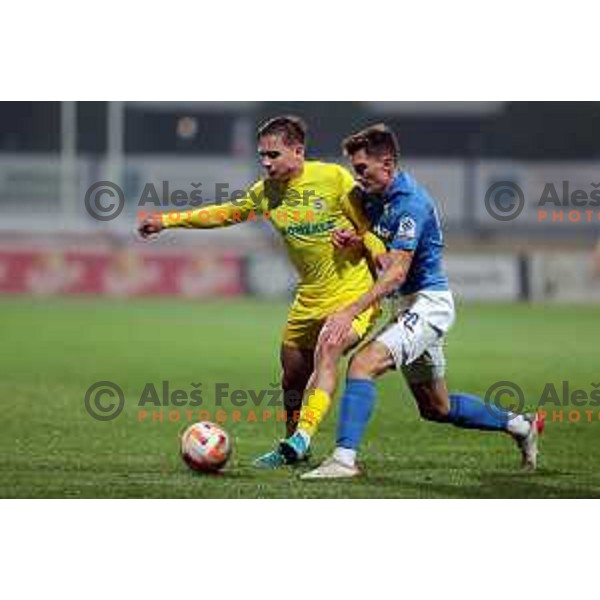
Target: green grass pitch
53,350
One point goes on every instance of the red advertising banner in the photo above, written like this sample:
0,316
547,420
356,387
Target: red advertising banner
121,272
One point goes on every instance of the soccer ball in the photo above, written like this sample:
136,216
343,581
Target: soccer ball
205,447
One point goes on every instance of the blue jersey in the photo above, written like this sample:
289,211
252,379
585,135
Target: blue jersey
406,218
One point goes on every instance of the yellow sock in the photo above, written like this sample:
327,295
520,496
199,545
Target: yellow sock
314,411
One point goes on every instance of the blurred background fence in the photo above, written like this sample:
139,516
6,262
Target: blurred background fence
52,153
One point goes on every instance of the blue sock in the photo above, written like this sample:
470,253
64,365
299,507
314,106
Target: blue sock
355,412
471,412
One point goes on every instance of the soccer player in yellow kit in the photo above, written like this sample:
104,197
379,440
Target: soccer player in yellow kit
305,201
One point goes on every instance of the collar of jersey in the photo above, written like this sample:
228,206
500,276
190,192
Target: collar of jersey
402,184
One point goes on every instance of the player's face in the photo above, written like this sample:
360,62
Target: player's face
280,161
373,173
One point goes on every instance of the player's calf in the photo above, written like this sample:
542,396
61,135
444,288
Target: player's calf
298,365
317,399
432,400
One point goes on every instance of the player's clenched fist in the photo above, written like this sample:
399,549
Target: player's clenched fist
149,227
346,238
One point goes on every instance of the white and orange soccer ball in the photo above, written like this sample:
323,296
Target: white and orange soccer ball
205,447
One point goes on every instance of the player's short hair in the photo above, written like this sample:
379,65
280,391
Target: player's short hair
377,140
292,129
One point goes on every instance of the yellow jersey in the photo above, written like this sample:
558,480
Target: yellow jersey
305,211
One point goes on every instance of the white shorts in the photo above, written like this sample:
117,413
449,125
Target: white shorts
415,337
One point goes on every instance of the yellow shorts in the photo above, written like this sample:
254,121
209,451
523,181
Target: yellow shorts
303,332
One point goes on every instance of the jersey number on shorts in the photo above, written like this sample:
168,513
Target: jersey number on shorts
410,320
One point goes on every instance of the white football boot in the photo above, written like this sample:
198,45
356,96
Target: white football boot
332,469
528,445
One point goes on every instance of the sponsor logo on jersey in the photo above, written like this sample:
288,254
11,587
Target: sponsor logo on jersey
310,228
407,228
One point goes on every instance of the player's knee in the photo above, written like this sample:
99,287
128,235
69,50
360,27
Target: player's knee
328,351
371,362
364,365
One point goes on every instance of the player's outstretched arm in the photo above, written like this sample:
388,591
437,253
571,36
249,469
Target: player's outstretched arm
207,217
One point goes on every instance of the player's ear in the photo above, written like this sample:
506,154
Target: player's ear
389,164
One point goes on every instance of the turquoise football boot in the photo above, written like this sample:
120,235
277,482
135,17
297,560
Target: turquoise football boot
270,461
295,449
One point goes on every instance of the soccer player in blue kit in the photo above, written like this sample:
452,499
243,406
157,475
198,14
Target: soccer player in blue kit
405,217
